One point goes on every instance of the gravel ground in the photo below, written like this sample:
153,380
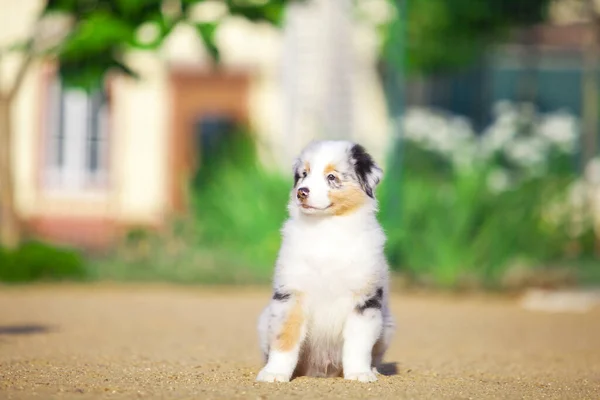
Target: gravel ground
84,342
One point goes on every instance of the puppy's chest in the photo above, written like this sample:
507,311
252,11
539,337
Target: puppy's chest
333,270
326,246
329,261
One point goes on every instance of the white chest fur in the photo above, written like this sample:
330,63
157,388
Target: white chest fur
331,258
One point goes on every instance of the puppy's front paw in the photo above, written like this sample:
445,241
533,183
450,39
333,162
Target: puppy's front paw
367,376
266,376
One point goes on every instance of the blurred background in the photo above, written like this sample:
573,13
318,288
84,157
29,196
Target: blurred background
153,140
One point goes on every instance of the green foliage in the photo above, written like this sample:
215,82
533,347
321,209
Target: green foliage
454,230
103,30
239,206
207,33
173,255
474,206
445,34
258,10
35,261
232,232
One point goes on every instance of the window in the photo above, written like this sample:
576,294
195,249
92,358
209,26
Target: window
76,140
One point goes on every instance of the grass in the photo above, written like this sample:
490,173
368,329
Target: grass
175,255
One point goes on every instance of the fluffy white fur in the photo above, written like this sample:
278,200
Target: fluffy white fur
329,313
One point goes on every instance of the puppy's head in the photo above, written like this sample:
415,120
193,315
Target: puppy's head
334,178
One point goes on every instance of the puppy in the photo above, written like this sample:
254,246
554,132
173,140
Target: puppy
329,312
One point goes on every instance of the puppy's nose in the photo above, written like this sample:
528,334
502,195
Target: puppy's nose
302,193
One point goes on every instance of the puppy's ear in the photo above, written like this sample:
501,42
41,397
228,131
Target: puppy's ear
367,172
296,170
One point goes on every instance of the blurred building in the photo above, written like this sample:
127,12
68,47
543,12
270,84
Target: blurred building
542,64
89,166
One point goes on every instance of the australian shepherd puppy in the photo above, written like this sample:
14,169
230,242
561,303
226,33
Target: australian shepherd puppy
329,312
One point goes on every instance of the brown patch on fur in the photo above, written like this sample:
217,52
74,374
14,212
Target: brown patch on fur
346,200
289,336
307,167
329,168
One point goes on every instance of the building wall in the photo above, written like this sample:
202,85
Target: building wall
15,18
140,142
141,120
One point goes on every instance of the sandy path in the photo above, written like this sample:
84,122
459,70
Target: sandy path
85,342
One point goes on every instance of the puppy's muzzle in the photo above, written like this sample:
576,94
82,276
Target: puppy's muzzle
302,193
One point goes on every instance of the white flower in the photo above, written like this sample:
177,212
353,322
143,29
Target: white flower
502,107
526,152
577,195
517,131
498,181
416,125
496,137
560,130
578,213
503,129
461,129
437,132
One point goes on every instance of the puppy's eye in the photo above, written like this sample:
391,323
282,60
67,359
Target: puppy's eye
304,174
331,177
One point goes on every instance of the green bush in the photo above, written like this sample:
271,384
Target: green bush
457,231
469,208
239,206
35,261
231,234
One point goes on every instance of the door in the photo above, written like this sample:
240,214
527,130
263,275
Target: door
204,105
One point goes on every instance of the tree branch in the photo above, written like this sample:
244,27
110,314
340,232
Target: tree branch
24,67
1,56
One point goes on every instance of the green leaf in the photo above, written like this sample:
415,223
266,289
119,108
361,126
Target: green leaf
207,33
269,11
89,73
61,5
132,7
104,29
97,33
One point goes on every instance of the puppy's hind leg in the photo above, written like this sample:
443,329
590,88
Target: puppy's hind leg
285,333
